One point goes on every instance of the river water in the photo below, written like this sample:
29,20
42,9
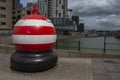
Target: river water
95,44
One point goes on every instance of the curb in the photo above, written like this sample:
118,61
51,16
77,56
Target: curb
10,49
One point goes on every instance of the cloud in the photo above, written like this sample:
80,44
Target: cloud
112,21
95,7
97,14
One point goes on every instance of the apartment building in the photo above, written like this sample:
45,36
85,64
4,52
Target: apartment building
53,8
17,11
43,7
69,14
56,10
5,14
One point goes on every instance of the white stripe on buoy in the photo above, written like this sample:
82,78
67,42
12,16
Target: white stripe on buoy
33,39
33,22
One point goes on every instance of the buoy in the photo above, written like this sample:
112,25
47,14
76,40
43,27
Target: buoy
34,37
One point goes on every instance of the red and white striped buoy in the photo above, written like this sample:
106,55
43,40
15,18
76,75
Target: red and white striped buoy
34,37
34,33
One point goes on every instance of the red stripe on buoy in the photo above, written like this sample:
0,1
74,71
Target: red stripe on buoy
34,47
34,33
32,30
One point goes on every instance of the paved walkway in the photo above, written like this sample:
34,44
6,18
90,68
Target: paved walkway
106,69
67,69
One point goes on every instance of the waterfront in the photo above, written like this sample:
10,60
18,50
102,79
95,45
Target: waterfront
95,44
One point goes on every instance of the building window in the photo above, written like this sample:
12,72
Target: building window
2,0
59,14
2,23
13,12
2,16
63,7
18,17
59,1
13,17
2,8
19,11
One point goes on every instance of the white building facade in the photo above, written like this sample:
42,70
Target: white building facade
53,8
70,14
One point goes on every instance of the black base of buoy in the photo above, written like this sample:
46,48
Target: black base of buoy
33,61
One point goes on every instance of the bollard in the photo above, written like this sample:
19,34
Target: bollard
34,37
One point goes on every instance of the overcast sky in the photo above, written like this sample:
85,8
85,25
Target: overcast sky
96,14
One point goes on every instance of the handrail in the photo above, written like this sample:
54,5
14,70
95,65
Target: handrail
78,46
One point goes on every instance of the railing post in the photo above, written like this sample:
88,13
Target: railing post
79,45
104,44
56,44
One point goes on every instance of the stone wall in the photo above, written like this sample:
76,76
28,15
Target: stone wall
5,36
5,40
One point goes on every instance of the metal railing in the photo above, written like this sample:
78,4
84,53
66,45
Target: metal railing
78,47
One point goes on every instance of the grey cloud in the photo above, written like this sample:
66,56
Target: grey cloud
95,7
112,21
97,14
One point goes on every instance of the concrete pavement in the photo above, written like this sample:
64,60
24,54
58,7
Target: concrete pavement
74,68
67,69
106,69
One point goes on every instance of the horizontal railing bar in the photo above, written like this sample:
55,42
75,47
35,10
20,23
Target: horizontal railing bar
91,48
113,49
113,43
67,47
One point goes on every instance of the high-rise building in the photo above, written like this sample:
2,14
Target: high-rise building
75,19
16,4
56,10
17,11
70,14
25,12
80,27
53,8
43,7
5,14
